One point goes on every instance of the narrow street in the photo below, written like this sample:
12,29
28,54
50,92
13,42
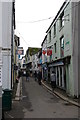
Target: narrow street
39,39
37,102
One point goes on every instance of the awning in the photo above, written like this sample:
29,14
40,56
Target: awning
56,64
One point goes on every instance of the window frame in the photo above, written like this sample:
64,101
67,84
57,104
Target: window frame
62,46
61,20
55,29
49,36
55,47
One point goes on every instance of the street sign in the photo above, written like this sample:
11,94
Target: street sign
20,51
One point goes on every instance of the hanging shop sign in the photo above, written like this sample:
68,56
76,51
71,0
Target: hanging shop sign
20,51
49,52
44,52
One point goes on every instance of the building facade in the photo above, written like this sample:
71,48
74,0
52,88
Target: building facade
63,40
35,62
44,59
7,23
8,26
32,58
1,61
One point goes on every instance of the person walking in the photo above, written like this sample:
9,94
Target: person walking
53,80
35,74
27,75
39,77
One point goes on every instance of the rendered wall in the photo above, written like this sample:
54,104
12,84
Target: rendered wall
76,41
6,44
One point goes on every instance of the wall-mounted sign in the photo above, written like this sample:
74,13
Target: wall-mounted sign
67,43
20,51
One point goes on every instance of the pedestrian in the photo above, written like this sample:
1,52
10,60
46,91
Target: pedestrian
19,75
39,77
35,75
53,80
27,75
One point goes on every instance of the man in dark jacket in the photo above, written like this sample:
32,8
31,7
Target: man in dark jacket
27,75
39,77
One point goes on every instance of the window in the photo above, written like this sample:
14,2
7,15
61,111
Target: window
62,46
55,47
24,61
62,20
54,29
50,36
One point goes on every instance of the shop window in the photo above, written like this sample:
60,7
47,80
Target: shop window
55,47
57,76
61,76
62,46
65,77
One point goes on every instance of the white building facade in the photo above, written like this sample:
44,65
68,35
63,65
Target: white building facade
63,39
7,42
35,62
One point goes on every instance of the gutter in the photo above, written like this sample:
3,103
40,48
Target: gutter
60,95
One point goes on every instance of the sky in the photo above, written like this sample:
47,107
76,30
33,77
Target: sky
33,18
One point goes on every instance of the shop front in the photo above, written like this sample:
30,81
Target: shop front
61,70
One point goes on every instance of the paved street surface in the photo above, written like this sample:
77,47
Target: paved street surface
37,102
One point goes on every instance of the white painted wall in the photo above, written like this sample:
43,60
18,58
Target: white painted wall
0,60
34,62
0,24
6,70
6,43
44,47
75,48
0,45
6,23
